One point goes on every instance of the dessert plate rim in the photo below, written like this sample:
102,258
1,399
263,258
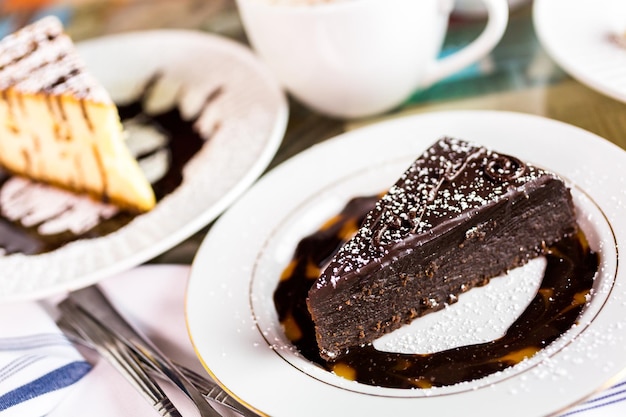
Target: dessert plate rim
584,51
253,114
222,294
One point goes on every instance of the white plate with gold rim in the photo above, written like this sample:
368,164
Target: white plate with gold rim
580,36
250,110
232,320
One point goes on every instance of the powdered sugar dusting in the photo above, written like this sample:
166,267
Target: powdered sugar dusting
447,182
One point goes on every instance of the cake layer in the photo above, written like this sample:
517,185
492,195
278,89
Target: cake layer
460,215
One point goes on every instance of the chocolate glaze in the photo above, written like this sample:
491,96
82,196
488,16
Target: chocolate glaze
183,143
450,183
567,281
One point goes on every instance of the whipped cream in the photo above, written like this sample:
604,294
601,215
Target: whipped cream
149,146
51,210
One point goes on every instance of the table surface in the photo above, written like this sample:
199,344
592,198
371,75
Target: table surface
517,76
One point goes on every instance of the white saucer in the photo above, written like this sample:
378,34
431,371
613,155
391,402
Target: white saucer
252,115
577,35
232,319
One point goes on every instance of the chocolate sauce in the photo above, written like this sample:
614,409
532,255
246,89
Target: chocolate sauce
567,281
183,142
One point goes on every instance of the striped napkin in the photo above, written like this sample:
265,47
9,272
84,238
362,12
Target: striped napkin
38,365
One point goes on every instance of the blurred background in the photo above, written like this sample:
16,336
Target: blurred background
517,76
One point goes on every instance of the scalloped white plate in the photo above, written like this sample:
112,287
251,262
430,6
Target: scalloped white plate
235,330
576,34
252,112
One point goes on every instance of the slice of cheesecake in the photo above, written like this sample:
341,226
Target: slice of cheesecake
58,125
460,215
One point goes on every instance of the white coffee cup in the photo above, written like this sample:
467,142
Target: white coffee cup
476,9
355,58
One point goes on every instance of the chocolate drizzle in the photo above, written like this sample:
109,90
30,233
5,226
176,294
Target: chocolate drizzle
173,125
566,284
505,168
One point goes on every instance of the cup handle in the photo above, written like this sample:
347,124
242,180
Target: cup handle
498,16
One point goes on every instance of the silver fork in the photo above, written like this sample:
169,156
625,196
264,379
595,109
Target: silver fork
91,299
209,389
118,355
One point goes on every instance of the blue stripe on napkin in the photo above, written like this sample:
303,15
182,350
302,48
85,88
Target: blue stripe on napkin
34,365
52,381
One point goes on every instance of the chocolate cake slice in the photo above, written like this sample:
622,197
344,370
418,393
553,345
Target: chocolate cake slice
458,216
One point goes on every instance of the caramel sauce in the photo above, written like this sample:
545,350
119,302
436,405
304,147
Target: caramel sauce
183,143
566,284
